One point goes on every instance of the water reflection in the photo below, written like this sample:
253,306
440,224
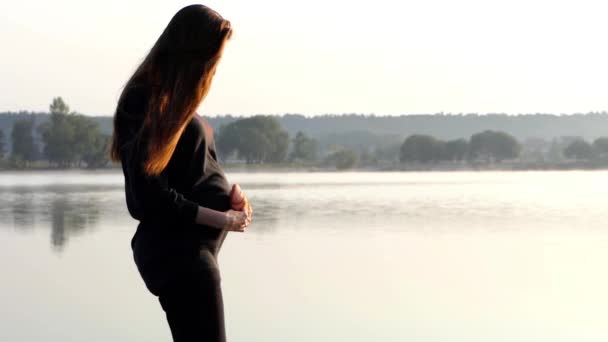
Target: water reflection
427,257
331,203
69,216
23,211
73,209
68,211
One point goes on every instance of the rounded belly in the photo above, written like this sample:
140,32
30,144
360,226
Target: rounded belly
213,193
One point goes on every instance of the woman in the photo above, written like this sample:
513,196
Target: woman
174,184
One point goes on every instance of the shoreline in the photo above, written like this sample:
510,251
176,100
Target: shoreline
286,168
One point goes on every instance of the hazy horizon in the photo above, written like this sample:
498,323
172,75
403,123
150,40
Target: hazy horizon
335,57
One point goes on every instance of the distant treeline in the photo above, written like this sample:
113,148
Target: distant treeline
65,139
490,147
368,130
62,138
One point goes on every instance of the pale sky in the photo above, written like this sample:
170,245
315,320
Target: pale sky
322,56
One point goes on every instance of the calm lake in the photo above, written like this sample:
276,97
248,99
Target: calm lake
355,256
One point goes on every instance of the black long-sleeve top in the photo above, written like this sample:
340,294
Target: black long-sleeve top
167,239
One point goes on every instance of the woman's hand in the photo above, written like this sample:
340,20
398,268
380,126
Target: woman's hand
236,220
239,201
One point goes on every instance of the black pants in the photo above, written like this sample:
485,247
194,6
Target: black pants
194,305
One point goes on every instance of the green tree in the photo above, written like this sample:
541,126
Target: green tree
97,154
304,147
556,151
24,149
280,139
343,159
254,145
600,147
579,149
257,139
456,149
493,146
58,135
2,146
71,138
388,152
58,106
88,139
368,158
420,148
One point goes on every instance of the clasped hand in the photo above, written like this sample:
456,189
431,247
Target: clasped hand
238,217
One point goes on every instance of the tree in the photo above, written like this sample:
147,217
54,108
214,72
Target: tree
71,138
493,146
24,150
97,154
420,148
58,106
454,150
388,152
366,157
2,146
254,145
304,148
579,149
58,135
600,147
87,140
280,140
257,139
343,159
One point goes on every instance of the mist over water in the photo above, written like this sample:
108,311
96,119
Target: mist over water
355,256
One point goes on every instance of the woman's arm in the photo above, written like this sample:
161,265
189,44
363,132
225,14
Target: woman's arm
230,220
154,199
158,201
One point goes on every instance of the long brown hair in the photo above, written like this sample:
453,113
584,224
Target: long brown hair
178,69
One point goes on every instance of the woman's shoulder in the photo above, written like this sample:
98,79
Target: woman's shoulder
200,127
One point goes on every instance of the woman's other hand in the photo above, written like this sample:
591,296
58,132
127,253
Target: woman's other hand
247,208
238,201
237,198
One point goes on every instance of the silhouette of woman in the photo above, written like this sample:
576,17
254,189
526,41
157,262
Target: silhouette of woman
174,184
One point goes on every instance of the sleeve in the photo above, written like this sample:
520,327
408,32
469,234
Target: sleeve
155,199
